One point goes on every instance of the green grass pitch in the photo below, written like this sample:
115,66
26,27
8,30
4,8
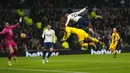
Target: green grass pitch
82,63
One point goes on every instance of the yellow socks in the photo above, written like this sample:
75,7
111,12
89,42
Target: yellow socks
85,45
114,52
95,40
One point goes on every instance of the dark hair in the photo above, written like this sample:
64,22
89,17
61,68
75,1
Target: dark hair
69,11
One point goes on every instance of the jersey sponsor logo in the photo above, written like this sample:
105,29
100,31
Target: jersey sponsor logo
48,35
35,54
103,51
10,32
74,15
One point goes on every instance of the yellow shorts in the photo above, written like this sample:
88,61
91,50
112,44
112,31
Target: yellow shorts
113,46
82,35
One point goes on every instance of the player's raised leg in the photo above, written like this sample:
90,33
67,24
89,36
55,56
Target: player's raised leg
15,53
11,51
81,39
91,38
84,45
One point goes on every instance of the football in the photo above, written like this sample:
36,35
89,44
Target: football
23,35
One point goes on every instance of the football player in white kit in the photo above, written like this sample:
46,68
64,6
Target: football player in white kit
49,37
82,23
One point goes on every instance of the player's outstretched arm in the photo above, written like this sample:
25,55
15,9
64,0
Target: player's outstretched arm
91,30
82,10
3,32
67,22
17,24
66,36
14,26
43,34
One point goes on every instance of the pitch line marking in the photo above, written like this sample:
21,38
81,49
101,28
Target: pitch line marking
95,61
102,68
109,67
40,70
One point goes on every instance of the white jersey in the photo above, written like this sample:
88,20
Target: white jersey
74,16
49,35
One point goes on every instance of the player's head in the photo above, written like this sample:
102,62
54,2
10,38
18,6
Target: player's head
89,25
68,11
6,24
114,29
48,27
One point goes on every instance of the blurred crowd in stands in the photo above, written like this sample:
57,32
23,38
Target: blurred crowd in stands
114,14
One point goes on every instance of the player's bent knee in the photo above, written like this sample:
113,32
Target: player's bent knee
11,50
111,49
51,49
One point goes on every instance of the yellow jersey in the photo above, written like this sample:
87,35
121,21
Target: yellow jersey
115,37
71,30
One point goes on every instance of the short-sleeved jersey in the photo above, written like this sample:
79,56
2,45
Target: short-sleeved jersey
115,36
49,35
74,16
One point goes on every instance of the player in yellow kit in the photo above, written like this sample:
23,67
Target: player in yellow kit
82,35
114,41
